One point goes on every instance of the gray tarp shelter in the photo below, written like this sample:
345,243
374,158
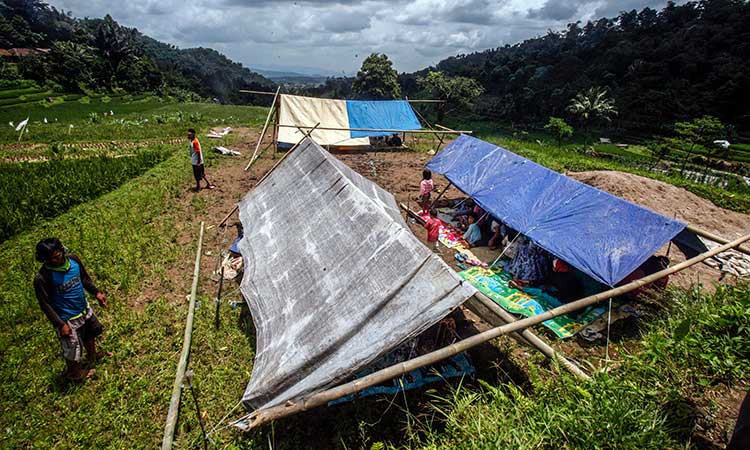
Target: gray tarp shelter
333,277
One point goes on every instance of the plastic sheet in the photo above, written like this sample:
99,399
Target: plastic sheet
333,277
604,236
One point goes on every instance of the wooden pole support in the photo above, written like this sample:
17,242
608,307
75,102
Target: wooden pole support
434,202
265,127
174,403
259,417
236,207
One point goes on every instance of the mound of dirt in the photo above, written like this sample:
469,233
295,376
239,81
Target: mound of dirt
673,201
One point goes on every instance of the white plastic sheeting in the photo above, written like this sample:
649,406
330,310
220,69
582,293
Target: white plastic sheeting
333,277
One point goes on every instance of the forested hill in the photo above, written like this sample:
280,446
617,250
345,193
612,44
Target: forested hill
660,66
102,55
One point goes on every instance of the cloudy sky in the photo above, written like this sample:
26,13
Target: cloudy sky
335,36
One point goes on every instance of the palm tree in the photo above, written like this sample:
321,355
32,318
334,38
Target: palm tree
591,105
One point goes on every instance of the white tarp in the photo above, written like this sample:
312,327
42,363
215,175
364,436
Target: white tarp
307,111
333,277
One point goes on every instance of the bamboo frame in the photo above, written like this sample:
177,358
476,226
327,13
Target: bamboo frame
260,417
174,403
377,130
434,202
246,91
236,207
265,127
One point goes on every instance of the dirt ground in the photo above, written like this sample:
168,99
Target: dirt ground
400,173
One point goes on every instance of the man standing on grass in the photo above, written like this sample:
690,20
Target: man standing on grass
61,285
196,158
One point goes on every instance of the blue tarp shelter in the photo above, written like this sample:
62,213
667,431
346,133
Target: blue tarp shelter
604,236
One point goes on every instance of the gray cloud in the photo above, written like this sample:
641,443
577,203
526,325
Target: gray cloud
336,35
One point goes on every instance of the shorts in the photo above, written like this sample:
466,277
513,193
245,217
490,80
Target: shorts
199,171
84,328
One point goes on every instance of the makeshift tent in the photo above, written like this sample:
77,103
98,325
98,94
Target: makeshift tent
296,111
604,236
333,277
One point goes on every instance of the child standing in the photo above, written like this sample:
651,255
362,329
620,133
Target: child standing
432,225
425,189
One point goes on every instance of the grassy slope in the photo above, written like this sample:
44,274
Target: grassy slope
128,238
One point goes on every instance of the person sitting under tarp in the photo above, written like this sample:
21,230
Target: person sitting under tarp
473,234
461,214
652,265
530,266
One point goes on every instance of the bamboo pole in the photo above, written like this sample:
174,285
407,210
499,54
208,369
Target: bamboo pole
377,130
446,128
236,207
265,127
246,91
429,126
174,403
259,417
713,237
434,202
503,317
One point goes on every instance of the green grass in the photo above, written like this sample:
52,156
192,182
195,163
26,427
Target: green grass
132,121
38,191
649,400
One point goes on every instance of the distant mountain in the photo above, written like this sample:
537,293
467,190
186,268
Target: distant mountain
293,78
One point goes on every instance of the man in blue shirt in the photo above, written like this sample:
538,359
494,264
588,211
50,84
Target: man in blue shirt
61,285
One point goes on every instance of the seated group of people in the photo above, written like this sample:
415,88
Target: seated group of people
532,266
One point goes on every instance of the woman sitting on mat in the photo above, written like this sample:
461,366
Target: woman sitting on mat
530,266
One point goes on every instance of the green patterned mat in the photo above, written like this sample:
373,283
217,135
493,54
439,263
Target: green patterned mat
529,302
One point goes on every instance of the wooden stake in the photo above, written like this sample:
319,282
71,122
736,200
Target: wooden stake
174,403
236,207
265,126
259,417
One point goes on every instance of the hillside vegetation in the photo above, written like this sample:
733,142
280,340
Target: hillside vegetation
681,62
101,55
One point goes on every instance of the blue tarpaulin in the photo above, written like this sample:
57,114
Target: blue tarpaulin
604,236
380,115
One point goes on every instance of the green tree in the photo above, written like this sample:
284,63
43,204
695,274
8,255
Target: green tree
559,128
592,105
376,79
701,132
458,92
